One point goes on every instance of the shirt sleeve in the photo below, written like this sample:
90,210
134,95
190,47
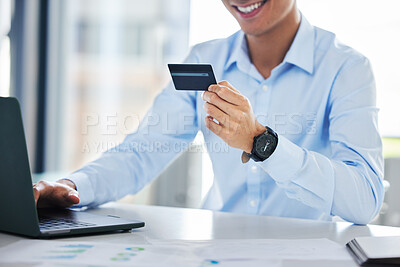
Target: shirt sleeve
348,183
165,131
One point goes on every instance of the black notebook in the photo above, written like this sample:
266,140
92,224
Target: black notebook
375,251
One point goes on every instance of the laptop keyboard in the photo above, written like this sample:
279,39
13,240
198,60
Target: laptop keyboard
46,223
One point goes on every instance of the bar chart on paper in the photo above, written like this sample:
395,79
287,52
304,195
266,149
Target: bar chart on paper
219,253
71,253
66,251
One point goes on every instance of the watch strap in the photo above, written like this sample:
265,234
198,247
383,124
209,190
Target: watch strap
245,157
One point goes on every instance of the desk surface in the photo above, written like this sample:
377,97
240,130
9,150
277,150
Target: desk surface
193,224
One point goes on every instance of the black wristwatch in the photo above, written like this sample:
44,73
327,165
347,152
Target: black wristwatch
263,146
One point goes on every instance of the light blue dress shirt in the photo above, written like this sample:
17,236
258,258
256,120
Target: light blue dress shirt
320,100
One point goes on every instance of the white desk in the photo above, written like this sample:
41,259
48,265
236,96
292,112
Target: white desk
191,224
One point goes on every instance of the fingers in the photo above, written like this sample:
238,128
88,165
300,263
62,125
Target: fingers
41,189
219,102
36,194
54,194
213,126
226,92
216,113
227,84
237,122
73,197
65,197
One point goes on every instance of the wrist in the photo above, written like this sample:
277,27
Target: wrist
259,130
68,183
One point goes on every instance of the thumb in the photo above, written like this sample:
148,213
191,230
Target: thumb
73,197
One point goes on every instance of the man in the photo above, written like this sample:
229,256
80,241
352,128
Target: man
295,100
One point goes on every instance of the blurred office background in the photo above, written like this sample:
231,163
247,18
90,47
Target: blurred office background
86,71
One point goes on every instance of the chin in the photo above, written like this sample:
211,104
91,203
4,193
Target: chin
255,30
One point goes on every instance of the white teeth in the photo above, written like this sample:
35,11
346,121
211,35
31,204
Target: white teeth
250,8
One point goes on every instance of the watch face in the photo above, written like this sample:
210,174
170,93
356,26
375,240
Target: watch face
265,145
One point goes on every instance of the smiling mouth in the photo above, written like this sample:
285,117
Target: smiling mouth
250,8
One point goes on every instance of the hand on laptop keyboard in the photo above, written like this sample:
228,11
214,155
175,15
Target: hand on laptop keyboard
55,194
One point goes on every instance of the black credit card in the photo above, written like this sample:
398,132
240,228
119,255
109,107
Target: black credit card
192,76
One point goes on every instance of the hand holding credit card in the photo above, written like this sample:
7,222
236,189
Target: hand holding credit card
192,76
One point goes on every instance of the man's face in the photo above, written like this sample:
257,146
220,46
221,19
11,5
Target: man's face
258,17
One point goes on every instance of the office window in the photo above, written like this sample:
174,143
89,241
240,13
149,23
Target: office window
202,28
5,20
107,62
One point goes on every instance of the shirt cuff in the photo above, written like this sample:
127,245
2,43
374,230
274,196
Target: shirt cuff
84,188
285,162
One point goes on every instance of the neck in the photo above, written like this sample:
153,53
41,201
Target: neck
268,50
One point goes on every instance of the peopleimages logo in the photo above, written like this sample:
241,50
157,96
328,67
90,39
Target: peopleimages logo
179,129
183,124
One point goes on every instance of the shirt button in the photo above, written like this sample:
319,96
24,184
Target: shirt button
253,203
253,169
265,88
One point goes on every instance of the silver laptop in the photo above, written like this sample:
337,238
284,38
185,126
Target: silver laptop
18,211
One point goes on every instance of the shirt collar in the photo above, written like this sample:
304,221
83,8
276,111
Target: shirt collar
240,54
300,54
